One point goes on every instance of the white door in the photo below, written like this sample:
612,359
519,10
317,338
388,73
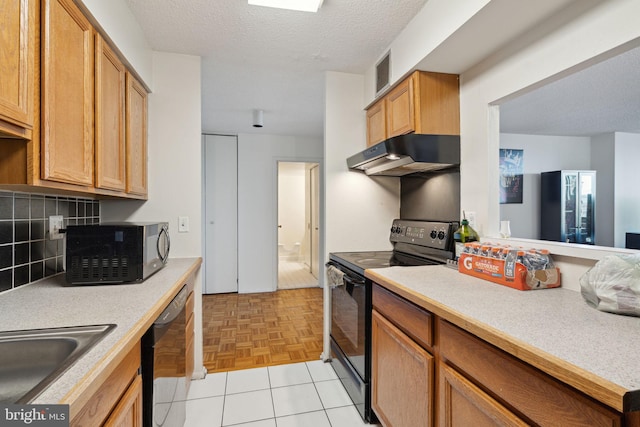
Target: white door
221,214
315,219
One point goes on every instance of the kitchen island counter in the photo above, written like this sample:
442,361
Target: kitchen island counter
553,330
51,303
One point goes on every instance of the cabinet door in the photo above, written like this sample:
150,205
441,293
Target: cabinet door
128,411
109,116
376,123
463,404
17,52
67,94
136,134
401,109
438,109
402,377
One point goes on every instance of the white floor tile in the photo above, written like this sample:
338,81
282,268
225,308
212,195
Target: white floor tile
309,419
211,385
332,394
206,412
321,371
262,423
247,380
347,416
292,374
247,407
295,399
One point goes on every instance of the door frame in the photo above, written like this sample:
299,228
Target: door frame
321,243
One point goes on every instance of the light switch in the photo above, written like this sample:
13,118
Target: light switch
471,217
183,224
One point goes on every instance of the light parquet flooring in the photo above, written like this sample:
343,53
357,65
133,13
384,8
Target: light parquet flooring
244,331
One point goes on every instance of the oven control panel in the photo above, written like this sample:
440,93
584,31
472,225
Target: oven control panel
432,234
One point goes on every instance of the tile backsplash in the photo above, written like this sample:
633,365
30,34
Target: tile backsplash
26,253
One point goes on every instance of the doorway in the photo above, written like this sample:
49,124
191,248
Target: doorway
298,224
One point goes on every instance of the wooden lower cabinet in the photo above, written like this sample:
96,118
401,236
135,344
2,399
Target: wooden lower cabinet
118,399
454,378
537,397
128,412
402,372
462,404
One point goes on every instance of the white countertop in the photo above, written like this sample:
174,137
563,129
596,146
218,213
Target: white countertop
51,303
547,325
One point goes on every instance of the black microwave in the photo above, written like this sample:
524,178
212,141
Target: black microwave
115,252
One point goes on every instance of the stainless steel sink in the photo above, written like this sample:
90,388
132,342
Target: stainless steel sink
31,360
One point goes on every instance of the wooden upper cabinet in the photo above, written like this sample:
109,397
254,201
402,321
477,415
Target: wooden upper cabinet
425,102
401,110
437,105
376,123
109,118
136,135
67,94
17,55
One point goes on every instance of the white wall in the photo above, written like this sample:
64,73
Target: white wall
627,190
541,154
565,42
292,188
258,156
174,171
359,209
520,66
435,22
120,25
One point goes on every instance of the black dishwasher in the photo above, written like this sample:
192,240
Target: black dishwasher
164,386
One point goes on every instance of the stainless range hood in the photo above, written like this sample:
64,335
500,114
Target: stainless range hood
408,154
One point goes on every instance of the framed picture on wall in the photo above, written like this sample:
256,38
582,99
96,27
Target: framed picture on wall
511,175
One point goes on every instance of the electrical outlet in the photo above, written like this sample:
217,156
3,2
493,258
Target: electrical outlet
56,223
183,224
471,217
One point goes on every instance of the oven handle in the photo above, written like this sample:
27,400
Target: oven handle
351,283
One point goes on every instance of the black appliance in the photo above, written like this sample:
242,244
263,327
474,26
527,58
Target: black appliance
408,154
568,206
414,243
164,367
115,252
632,241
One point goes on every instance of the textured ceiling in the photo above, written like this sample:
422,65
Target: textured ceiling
270,59
602,98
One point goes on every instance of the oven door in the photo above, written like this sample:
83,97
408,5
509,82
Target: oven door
348,319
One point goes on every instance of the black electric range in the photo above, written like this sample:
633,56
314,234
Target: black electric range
414,243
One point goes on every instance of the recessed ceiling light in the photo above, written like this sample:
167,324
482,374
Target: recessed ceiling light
301,5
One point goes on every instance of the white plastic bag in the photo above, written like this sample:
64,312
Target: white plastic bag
613,284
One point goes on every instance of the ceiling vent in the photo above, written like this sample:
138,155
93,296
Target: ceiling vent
382,73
